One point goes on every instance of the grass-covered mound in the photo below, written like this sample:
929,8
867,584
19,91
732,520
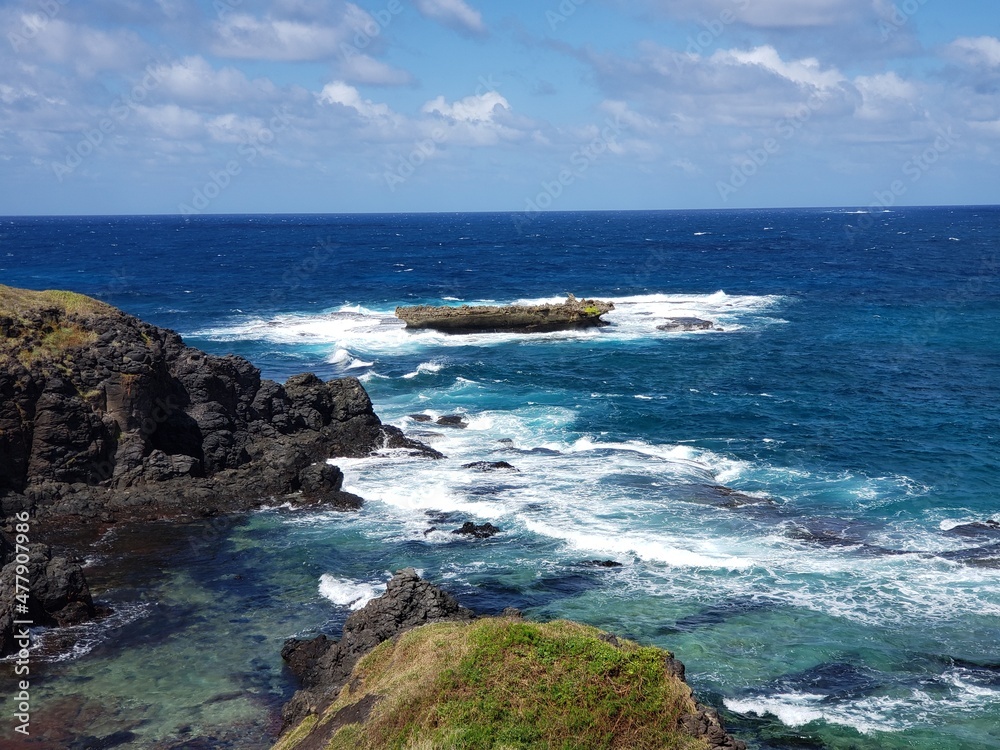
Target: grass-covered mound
505,683
43,326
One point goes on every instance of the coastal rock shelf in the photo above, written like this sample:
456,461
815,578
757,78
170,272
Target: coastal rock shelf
572,313
105,418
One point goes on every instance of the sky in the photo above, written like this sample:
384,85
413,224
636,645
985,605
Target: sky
325,106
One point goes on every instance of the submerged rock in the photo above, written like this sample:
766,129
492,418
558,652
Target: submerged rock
572,313
490,466
482,531
685,324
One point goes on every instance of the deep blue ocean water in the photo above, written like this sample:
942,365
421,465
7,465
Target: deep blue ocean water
799,499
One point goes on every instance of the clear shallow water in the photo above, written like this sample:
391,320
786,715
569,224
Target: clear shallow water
851,399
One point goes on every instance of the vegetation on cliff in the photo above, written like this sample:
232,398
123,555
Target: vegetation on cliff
506,682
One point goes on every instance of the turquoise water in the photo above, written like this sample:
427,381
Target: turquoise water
793,497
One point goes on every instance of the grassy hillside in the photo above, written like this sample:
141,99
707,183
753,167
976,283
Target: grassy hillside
505,683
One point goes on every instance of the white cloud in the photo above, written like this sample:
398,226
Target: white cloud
193,79
773,14
90,51
476,108
338,92
454,13
365,69
244,36
886,96
171,121
805,72
979,52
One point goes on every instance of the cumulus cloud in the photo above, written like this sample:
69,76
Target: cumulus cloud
454,13
977,52
345,95
476,108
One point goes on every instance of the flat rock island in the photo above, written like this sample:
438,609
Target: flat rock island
572,313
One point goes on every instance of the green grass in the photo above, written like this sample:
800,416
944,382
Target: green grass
505,683
46,325
18,302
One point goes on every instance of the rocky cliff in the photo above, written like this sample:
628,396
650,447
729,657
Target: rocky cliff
105,418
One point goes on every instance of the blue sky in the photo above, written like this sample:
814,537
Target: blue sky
233,106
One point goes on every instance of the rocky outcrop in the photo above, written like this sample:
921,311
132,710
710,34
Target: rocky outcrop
477,531
323,665
54,591
428,669
685,324
105,418
572,313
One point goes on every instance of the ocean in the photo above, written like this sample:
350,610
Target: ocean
799,500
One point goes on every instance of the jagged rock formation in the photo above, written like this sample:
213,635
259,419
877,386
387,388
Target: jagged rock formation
105,418
572,313
323,666
57,593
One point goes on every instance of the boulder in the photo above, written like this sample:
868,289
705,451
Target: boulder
685,324
57,593
481,531
490,466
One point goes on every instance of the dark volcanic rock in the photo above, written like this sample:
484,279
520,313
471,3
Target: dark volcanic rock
601,564
323,666
421,417
105,418
127,422
685,324
490,466
482,531
58,593
452,420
